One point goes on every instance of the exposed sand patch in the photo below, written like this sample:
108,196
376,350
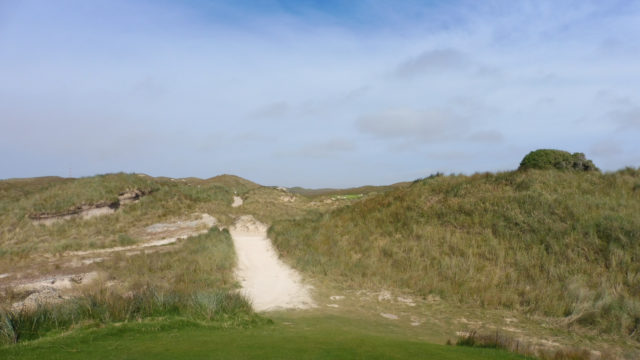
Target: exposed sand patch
268,282
237,201
179,230
385,296
406,300
206,220
288,198
49,290
389,316
89,211
59,282
83,214
416,321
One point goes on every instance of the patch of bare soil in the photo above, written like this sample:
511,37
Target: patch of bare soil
88,211
49,290
237,201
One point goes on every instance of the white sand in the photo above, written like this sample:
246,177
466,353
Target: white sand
268,282
237,201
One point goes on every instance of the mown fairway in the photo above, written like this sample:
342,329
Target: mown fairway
290,337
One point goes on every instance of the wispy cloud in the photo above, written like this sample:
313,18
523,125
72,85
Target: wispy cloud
329,148
433,125
436,60
627,118
134,83
276,109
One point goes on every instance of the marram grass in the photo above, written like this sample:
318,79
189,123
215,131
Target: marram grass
560,244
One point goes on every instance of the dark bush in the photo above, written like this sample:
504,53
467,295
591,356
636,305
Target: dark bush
546,159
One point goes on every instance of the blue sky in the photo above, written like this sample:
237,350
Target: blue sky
314,93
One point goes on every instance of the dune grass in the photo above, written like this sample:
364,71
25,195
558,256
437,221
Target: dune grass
20,238
557,244
195,281
198,263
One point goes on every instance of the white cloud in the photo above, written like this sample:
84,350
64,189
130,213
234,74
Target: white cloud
329,148
185,83
437,60
627,118
431,125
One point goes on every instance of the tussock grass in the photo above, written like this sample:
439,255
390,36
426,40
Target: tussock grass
559,244
105,306
20,237
365,190
498,340
200,263
195,282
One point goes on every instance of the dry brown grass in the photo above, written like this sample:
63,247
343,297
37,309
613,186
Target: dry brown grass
555,244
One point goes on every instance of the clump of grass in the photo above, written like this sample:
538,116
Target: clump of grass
20,237
501,341
558,244
103,306
200,263
195,281
124,240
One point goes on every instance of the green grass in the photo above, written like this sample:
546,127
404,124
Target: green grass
195,281
200,263
563,245
365,190
20,238
298,337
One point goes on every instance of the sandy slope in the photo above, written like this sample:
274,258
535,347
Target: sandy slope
266,281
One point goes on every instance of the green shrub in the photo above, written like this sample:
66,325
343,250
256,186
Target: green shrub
546,159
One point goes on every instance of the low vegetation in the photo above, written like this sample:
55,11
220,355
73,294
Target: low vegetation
564,245
195,282
559,245
304,337
546,159
499,340
21,238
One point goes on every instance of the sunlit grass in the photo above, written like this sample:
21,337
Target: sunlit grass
557,244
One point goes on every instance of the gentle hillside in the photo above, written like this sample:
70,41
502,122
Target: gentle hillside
232,182
364,190
558,244
23,202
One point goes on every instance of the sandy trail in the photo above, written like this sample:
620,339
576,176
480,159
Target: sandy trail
268,282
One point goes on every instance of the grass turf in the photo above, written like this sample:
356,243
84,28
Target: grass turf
296,337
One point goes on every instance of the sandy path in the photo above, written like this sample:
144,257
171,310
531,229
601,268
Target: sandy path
268,282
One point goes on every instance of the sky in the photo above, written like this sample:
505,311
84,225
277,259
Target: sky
314,93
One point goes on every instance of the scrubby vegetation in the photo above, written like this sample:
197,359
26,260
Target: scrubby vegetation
564,245
20,237
497,340
194,282
546,159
